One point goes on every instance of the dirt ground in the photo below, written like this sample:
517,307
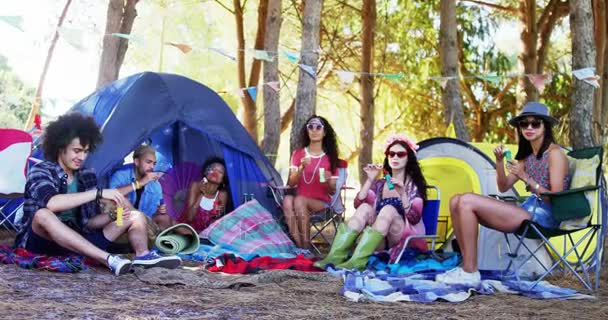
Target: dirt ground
97,294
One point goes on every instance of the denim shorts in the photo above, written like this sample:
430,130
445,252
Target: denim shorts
540,212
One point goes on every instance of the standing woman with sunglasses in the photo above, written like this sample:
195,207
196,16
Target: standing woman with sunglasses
313,172
541,164
387,207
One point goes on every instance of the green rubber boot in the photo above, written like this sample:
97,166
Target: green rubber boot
370,239
343,241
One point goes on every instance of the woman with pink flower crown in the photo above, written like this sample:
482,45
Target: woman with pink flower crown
389,206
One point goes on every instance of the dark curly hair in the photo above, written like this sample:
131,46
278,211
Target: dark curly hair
330,143
212,160
412,168
60,133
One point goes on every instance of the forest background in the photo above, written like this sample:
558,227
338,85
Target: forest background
379,66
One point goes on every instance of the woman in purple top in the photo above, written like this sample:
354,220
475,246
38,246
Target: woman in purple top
387,207
541,164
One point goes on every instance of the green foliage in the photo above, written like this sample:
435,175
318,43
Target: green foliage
15,98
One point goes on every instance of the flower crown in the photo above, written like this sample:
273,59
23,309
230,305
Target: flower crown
403,138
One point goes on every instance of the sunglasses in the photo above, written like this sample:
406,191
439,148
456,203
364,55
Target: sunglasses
312,126
392,154
526,124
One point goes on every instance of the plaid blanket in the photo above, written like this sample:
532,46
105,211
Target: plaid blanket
421,287
249,229
28,260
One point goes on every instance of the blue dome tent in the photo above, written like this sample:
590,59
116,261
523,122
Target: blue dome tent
185,121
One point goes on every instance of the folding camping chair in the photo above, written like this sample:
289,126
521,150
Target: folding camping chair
585,204
430,217
330,215
15,149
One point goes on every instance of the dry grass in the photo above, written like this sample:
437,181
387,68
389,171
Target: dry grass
97,294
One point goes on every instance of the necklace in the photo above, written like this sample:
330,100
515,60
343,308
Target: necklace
312,178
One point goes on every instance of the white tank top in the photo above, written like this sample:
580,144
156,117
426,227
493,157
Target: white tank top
206,203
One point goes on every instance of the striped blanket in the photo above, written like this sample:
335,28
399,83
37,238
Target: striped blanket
249,229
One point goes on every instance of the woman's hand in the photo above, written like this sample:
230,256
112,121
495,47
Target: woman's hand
398,184
499,153
304,162
372,171
202,185
517,169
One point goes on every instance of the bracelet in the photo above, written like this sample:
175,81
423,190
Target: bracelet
112,216
133,186
99,194
536,187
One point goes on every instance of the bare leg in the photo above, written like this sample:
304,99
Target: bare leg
291,220
163,221
48,226
473,209
390,224
303,206
134,223
455,222
362,216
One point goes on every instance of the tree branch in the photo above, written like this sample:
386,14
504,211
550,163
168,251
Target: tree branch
492,5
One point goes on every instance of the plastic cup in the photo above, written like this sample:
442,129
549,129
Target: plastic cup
322,175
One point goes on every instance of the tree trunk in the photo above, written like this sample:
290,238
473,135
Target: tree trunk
272,107
38,96
529,39
450,96
604,73
600,25
583,56
119,19
306,97
366,135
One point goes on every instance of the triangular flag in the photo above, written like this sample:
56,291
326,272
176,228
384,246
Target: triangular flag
239,92
253,93
224,53
129,37
450,132
309,69
15,21
184,48
291,56
491,78
588,75
346,77
539,80
274,85
392,76
262,55
443,81
74,37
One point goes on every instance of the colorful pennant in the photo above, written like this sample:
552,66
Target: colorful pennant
184,48
262,55
224,53
129,37
587,75
253,93
346,77
392,76
74,37
309,69
491,78
14,21
539,80
274,85
291,56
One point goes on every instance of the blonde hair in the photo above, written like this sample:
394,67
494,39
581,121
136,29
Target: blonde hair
143,149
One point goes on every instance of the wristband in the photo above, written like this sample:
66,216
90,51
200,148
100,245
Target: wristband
112,216
536,187
133,186
99,194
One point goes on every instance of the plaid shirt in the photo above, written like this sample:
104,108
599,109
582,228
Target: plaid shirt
45,180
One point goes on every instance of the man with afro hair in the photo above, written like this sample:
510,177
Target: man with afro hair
62,212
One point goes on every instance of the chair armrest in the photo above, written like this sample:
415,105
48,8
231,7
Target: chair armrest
568,192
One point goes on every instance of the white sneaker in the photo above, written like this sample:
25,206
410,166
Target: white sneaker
118,265
459,276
